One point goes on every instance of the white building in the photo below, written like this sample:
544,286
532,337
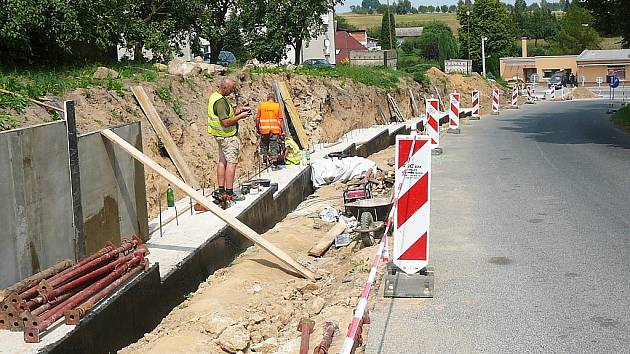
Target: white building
322,47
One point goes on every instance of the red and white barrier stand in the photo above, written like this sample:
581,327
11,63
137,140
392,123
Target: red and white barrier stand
453,114
360,313
475,106
433,124
530,95
496,97
408,275
552,95
515,98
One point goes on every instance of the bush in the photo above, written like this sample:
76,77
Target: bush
438,43
621,118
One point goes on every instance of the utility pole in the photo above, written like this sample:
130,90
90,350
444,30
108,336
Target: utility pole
389,26
483,54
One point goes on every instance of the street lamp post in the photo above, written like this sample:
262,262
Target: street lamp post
468,63
483,54
468,17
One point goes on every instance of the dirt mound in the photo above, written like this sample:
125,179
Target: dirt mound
328,107
583,93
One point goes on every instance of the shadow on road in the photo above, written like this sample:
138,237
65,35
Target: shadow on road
570,125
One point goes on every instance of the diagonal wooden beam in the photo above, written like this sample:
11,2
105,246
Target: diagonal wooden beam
222,214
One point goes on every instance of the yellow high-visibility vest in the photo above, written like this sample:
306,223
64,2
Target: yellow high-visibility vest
214,123
294,156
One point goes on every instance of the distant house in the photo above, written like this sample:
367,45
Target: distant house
360,35
322,47
409,32
372,44
345,42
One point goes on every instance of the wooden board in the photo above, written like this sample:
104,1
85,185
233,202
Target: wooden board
294,116
414,107
165,136
327,240
285,121
222,214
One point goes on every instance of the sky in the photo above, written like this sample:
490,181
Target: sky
347,3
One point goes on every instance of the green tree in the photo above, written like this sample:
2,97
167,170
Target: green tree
488,18
444,8
423,9
387,39
576,31
438,43
611,17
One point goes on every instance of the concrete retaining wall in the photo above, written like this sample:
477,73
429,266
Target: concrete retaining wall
36,217
35,182
113,195
373,58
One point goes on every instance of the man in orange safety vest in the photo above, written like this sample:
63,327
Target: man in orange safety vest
269,124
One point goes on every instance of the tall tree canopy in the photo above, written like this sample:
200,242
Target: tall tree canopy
576,31
387,39
488,18
438,43
611,17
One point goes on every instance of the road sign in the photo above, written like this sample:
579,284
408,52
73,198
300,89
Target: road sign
599,79
614,82
411,219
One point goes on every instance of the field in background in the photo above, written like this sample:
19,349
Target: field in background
409,20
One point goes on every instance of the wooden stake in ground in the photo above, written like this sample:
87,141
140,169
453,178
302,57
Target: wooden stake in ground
414,107
222,214
293,115
164,135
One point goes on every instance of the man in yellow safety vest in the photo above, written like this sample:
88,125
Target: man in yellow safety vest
269,124
223,125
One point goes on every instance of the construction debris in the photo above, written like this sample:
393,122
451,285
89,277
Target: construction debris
70,290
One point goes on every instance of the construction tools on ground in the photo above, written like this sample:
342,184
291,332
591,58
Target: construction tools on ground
70,290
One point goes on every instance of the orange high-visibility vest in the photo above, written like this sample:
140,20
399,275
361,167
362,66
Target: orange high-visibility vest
268,118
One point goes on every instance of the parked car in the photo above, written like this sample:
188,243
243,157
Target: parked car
317,64
557,80
225,58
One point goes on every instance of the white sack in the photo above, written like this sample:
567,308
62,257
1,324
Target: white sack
327,171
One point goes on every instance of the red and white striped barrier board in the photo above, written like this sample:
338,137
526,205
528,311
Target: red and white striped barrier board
453,112
433,122
515,97
496,96
382,252
553,93
475,103
411,215
530,96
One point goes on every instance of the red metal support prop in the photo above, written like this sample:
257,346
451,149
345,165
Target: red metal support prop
125,247
74,316
305,326
329,332
32,334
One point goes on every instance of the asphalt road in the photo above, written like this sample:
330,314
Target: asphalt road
530,240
